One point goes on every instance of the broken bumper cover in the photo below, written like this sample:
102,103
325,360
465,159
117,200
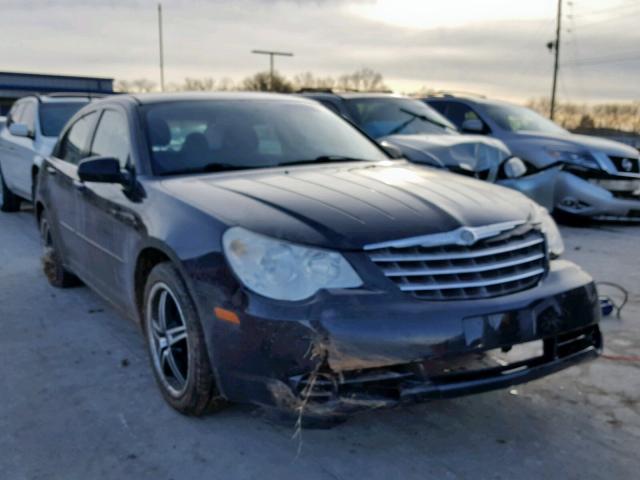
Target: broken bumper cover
348,392
597,198
347,351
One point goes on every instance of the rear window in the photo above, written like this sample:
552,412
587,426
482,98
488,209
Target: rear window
54,116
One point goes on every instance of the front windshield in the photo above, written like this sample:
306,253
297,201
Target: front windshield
520,119
54,115
213,135
382,116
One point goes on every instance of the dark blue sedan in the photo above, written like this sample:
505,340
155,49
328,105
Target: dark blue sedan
273,254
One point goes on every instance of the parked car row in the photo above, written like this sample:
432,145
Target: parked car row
600,178
30,131
273,253
575,175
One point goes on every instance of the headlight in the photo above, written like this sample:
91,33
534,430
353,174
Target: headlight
581,159
555,245
283,270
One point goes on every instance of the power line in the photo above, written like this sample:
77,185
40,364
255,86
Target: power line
604,60
601,11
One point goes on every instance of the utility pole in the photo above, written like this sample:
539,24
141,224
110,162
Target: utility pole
161,47
556,46
271,55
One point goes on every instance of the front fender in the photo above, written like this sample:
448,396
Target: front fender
540,186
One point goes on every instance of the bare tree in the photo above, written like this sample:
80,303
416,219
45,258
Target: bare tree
140,85
309,80
199,84
261,82
364,79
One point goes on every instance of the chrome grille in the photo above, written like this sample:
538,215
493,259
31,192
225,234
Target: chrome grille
503,264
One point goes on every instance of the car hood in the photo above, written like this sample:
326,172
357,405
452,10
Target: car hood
349,205
569,142
473,153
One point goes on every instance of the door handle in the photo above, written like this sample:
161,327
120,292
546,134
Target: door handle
51,171
123,216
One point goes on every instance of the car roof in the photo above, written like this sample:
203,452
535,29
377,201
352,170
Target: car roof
152,98
352,95
468,99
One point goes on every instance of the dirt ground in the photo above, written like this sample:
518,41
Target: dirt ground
77,399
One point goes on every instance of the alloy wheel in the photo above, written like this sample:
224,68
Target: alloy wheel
168,339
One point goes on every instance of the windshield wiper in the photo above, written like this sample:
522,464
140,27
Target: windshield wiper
325,159
419,116
209,168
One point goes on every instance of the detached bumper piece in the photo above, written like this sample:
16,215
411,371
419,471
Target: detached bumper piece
346,392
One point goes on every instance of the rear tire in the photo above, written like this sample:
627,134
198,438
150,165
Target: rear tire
176,344
9,202
52,266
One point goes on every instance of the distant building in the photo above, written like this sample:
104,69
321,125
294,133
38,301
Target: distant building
16,85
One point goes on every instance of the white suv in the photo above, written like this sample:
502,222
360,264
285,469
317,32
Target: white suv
30,132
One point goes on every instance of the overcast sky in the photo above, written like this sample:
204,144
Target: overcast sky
495,47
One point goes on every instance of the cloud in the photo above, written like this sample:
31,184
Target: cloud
505,57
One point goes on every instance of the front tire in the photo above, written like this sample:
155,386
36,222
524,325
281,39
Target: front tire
52,266
176,344
9,202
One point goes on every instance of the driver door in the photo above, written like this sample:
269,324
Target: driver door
108,222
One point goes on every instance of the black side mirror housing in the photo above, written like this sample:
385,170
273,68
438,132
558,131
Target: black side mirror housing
101,170
393,151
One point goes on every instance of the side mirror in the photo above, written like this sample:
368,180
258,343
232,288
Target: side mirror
101,170
20,130
473,125
392,150
514,168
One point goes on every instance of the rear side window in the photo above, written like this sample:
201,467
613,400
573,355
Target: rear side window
54,116
74,145
112,137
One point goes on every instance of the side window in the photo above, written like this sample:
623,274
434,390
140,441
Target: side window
440,107
29,115
458,113
74,144
112,137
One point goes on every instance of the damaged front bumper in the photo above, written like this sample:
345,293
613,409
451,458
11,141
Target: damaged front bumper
602,197
351,350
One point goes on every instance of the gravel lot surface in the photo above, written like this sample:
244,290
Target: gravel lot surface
77,399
